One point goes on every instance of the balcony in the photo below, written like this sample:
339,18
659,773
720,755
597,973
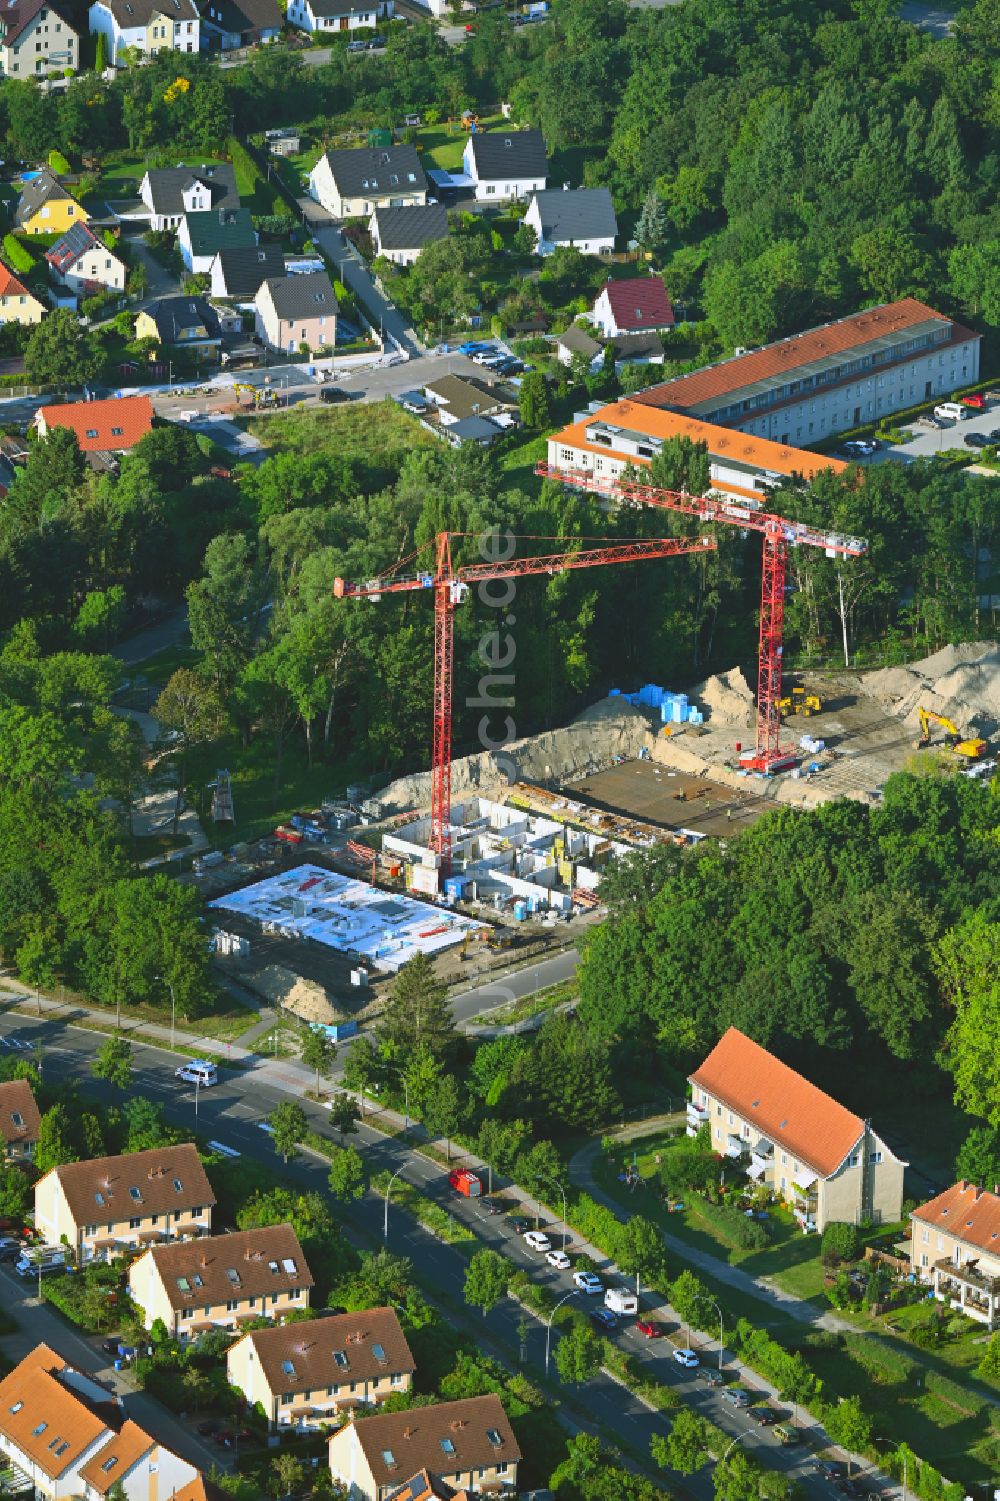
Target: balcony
736,1146
697,1116
968,1276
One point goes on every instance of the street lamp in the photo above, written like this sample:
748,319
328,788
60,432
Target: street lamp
388,1190
173,1006
900,1449
543,1177
548,1326
719,1312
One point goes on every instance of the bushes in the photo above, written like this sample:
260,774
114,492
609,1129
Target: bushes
742,1233
841,1242
785,1370
596,1224
885,1366
949,1391
18,255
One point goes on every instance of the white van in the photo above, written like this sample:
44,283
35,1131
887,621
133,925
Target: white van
620,1300
949,411
198,1071
41,1260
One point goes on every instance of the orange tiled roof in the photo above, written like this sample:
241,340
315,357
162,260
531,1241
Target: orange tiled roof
104,426
791,1112
788,354
114,1459
971,1214
42,1417
10,286
722,442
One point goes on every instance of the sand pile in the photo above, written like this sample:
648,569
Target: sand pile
282,987
726,699
960,682
606,730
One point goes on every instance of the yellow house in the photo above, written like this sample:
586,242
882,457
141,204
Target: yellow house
17,304
108,1205
45,207
221,1281
303,1374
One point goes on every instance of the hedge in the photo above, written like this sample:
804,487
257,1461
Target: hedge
884,1366
18,254
962,1397
742,1233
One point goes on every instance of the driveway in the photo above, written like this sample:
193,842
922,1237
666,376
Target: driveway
358,279
160,282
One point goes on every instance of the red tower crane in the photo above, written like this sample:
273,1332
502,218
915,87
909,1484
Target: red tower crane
451,586
778,535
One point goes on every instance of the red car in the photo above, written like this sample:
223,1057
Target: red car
649,1329
977,400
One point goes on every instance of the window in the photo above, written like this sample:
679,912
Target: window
38,1429
132,1224
448,1447
493,1437
288,1368
875,1157
109,1464
379,1354
398,1378
388,1459
340,1359
134,1193
232,1305
17,1407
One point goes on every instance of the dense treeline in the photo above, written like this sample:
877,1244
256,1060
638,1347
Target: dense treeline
848,931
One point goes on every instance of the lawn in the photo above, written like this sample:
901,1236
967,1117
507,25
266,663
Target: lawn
356,430
517,463
442,147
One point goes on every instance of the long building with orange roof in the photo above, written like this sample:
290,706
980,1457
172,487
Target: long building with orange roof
608,439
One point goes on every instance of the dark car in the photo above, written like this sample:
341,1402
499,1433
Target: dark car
604,1318
357,46
826,1469
852,1488
519,1224
976,440
765,1416
111,1346
995,435
209,1428
711,1375
10,1253
333,393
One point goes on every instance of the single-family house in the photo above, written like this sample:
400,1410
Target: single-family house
638,349
36,38
45,207
955,1248
181,323
632,307
202,235
303,1375
151,26
428,1487
575,341
467,1444
67,1435
221,1281
351,184
99,1207
226,24
19,1120
581,217
458,397
237,274
338,15
82,262
284,140
111,426
505,164
819,1157
401,233
171,192
17,304
292,311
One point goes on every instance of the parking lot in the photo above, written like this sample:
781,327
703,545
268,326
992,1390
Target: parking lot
927,441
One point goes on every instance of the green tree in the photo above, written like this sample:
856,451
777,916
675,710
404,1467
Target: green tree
146,1125
344,1114
445,1110
651,226
690,1298
101,54
525,239
988,1368
578,1353
348,1177
417,1014
361,1068
486,1279
737,1478
850,1426
288,1127
681,464
60,352
101,617
965,964
114,1061
190,713
533,400
978,1159
685,1449
54,1140
639,1250
317,1053
15,1191
841,1241
286,1475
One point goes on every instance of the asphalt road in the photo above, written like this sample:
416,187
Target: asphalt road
358,279
232,1113
471,1004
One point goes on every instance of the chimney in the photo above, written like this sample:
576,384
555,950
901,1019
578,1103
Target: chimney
407,1432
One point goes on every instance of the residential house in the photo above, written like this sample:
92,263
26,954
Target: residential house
101,1207
171,192
151,26
466,1444
237,274
351,184
818,1156
603,441
19,1120
292,311
457,397
284,141
17,304
226,24
401,233
201,236
303,1375
105,427
221,1281
505,164
638,349
583,218
428,1487
181,323
638,306
36,38
338,15
955,1247
45,207
63,1434
82,262
816,384
575,341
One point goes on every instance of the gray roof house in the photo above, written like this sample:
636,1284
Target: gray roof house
582,217
576,340
237,274
355,181
292,311
190,321
506,164
171,192
401,233
202,236
239,23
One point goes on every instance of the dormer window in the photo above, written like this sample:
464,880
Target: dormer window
493,1437
38,1429
273,1268
388,1459
379,1353
134,1193
289,1266
18,1120
448,1447
178,1186
288,1369
17,1407
340,1358
109,1464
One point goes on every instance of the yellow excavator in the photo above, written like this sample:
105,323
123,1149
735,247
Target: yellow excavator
971,747
800,702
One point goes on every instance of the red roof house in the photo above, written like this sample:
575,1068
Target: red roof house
112,426
631,307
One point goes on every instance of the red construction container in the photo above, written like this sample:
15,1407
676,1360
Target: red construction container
464,1182
287,835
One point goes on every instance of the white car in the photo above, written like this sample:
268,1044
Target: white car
687,1358
588,1282
536,1240
558,1259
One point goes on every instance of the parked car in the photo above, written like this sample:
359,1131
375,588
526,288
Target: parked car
929,420
852,1488
712,1376
518,1224
860,447
688,1359
209,1428
949,411
736,1396
10,1251
765,1416
976,400
976,440
537,1240
827,1470
559,1260
995,435
787,1435
650,1329
588,1282
604,1318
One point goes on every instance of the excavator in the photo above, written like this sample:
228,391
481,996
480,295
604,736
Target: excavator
800,702
971,747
